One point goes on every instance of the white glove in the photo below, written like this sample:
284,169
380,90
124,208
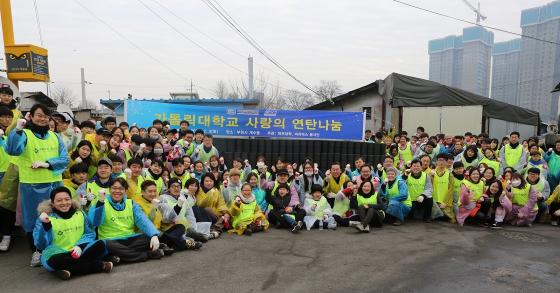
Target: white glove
102,195
142,147
90,196
77,131
386,181
164,141
420,199
78,160
181,200
83,201
550,150
1,132
379,167
238,200
28,116
37,165
154,243
348,168
313,207
246,162
433,172
21,124
155,201
128,172
221,160
103,146
557,213
113,151
76,252
44,218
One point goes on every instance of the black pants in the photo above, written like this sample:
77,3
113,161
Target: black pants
345,222
202,215
174,237
275,218
88,263
132,249
553,208
370,216
7,222
423,209
483,215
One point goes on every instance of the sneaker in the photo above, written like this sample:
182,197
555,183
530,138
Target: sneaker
497,225
193,245
167,251
297,227
158,254
553,223
248,232
359,227
5,243
353,224
115,260
397,223
195,235
36,259
107,267
366,229
214,235
63,274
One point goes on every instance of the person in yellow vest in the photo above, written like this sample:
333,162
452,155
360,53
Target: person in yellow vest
369,205
210,199
524,198
42,157
82,154
541,186
163,217
490,161
405,150
443,183
536,161
179,171
78,176
333,182
318,211
67,239
98,184
395,192
206,150
553,203
65,128
154,173
118,170
474,203
513,155
99,143
247,217
134,177
469,157
6,117
420,191
186,142
118,220
233,188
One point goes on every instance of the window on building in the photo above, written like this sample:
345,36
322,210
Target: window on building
368,112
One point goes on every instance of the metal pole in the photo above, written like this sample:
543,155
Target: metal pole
84,101
250,77
7,27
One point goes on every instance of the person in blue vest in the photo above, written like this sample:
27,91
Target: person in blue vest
42,158
513,155
67,238
118,219
395,191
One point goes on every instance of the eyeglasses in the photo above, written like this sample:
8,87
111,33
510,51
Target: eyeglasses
117,188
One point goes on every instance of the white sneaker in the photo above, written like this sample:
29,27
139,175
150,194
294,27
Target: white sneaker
366,229
5,243
353,224
36,259
359,227
553,223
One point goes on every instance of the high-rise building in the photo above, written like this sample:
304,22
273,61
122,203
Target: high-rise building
539,68
505,71
463,61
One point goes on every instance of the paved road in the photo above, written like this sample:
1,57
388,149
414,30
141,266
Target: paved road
416,257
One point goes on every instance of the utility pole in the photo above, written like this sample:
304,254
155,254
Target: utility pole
7,26
250,78
83,82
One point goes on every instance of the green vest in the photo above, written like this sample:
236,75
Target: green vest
521,196
204,156
513,155
117,224
416,186
93,188
440,186
159,182
246,213
372,200
492,164
539,186
457,190
476,189
406,154
186,176
38,150
67,232
322,204
394,191
4,157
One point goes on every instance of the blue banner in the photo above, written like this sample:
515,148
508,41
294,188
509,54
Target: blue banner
224,121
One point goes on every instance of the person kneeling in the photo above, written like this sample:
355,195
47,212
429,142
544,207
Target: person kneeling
117,222
247,215
318,210
67,238
282,214
369,206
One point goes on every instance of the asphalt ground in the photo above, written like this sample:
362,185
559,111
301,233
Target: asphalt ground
415,257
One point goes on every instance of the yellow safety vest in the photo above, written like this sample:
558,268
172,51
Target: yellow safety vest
416,186
246,213
520,196
38,150
491,164
5,159
370,201
67,232
406,154
322,204
117,224
441,186
476,189
394,191
513,155
92,187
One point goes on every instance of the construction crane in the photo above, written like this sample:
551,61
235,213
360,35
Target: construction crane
477,12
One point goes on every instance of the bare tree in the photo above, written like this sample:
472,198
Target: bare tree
297,100
63,95
328,89
220,90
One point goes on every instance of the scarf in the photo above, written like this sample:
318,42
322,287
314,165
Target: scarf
416,176
12,105
65,215
154,176
205,189
247,200
458,176
41,130
513,145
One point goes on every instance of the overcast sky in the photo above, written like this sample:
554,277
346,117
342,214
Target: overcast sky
354,42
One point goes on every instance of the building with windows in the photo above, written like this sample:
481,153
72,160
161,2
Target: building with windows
505,71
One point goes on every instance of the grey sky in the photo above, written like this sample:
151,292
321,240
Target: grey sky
354,42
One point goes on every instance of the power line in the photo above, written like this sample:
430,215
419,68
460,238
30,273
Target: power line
474,23
133,43
38,22
224,15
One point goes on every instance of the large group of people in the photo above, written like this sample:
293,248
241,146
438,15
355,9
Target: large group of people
91,195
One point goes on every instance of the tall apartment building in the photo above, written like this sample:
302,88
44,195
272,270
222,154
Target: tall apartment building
505,71
463,61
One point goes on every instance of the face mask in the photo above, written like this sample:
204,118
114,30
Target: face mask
309,173
155,137
158,151
516,183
